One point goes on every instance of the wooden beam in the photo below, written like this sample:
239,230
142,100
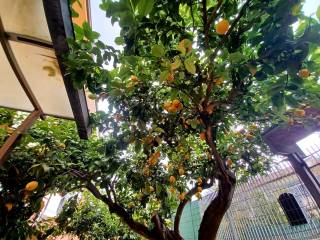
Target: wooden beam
17,70
60,27
10,143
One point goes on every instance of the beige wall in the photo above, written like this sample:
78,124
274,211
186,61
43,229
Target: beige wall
84,15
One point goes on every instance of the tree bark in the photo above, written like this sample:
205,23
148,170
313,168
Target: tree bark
217,208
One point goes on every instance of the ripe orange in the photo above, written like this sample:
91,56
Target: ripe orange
32,237
249,136
203,136
304,73
290,121
170,78
172,179
146,171
172,190
182,196
222,27
31,186
157,154
181,171
9,206
299,113
177,104
218,81
198,195
229,162
134,78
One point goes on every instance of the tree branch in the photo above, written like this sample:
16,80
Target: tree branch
115,208
211,19
215,153
214,13
205,22
233,25
184,203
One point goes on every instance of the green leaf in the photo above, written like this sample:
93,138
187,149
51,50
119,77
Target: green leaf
236,57
176,64
157,51
145,7
119,40
189,64
74,14
318,13
78,32
164,75
89,33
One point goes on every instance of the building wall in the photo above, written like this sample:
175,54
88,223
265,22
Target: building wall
255,212
84,15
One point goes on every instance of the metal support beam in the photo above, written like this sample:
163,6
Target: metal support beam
306,176
10,143
17,70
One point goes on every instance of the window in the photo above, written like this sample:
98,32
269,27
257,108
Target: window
292,209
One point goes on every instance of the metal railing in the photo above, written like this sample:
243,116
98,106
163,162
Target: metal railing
256,213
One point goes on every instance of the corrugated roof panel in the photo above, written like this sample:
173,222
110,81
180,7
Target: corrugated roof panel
25,17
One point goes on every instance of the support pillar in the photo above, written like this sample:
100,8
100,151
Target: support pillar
10,143
306,176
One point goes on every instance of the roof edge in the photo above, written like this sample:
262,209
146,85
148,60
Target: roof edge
60,27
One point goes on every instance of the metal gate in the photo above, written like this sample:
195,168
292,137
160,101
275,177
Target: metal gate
255,212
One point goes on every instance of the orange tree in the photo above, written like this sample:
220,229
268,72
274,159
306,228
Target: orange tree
191,91
191,73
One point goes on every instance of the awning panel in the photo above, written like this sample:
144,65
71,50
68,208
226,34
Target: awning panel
11,92
42,72
25,17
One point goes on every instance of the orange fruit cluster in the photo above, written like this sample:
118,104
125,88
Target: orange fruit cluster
170,78
173,106
299,113
218,81
9,206
172,179
181,171
134,78
304,73
229,162
203,136
153,159
182,196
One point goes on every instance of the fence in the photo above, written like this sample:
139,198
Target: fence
274,206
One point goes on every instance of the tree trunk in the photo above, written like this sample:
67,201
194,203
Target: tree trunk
217,208
161,232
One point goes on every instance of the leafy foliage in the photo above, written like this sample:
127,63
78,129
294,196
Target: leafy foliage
185,106
88,218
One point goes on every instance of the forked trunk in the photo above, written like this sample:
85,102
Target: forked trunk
217,208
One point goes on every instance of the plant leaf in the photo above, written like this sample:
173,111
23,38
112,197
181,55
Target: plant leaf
145,7
190,65
157,51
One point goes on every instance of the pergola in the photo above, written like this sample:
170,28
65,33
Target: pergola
282,140
33,37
